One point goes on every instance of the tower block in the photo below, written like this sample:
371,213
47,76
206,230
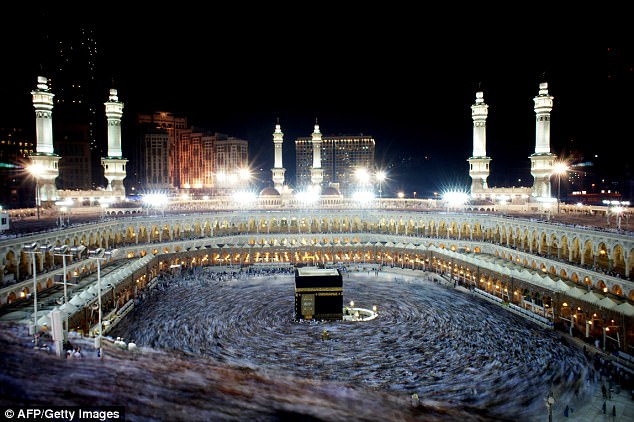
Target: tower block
44,161
316,173
278,170
114,164
542,161
479,161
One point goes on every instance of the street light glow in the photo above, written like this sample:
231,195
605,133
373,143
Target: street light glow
362,175
455,198
308,196
245,174
363,196
155,199
36,170
244,197
560,168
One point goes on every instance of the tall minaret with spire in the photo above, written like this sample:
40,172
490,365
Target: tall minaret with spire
542,161
114,164
479,162
278,170
316,173
44,161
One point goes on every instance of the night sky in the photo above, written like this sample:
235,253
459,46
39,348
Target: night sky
384,74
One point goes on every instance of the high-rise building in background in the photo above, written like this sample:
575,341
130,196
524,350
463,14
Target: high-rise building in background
172,155
341,157
155,159
17,190
155,123
194,163
71,66
231,163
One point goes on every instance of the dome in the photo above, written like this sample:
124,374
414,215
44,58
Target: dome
269,192
330,191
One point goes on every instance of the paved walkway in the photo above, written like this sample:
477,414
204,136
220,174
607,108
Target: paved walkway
592,411
621,404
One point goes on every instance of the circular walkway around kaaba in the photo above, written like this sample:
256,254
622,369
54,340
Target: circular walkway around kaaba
443,344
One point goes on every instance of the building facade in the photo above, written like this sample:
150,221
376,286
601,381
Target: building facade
156,160
173,155
341,156
231,163
15,149
150,124
194,152
72,66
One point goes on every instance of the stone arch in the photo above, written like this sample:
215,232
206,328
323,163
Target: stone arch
534,245
442,230
617,290
618,259
511,237
553,246
565,250
543,245
11,262
11,297
587,255
602,256
143,235
574,277
477,231
452,230
167,232
575,251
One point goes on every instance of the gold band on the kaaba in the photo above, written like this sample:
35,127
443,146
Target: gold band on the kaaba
318,289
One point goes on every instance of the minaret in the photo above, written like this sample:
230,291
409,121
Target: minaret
278,171
316,173
479,162
44,162
542,161
114,163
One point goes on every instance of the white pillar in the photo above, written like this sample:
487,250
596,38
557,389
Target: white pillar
114,164
43,104
316,173
479,162
114,112
278,170
542,161
44,160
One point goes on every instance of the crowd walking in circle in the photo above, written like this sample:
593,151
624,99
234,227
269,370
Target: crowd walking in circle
428,340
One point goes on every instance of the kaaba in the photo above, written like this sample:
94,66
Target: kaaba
318,294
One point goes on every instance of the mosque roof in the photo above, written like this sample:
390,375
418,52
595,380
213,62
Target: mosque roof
330,191
269,191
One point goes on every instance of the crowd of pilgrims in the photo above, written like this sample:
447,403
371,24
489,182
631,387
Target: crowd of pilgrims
431,340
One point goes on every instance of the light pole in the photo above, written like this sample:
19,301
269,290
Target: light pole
63,251
36,171
618,210
32,249
380,177
559,169
98,255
